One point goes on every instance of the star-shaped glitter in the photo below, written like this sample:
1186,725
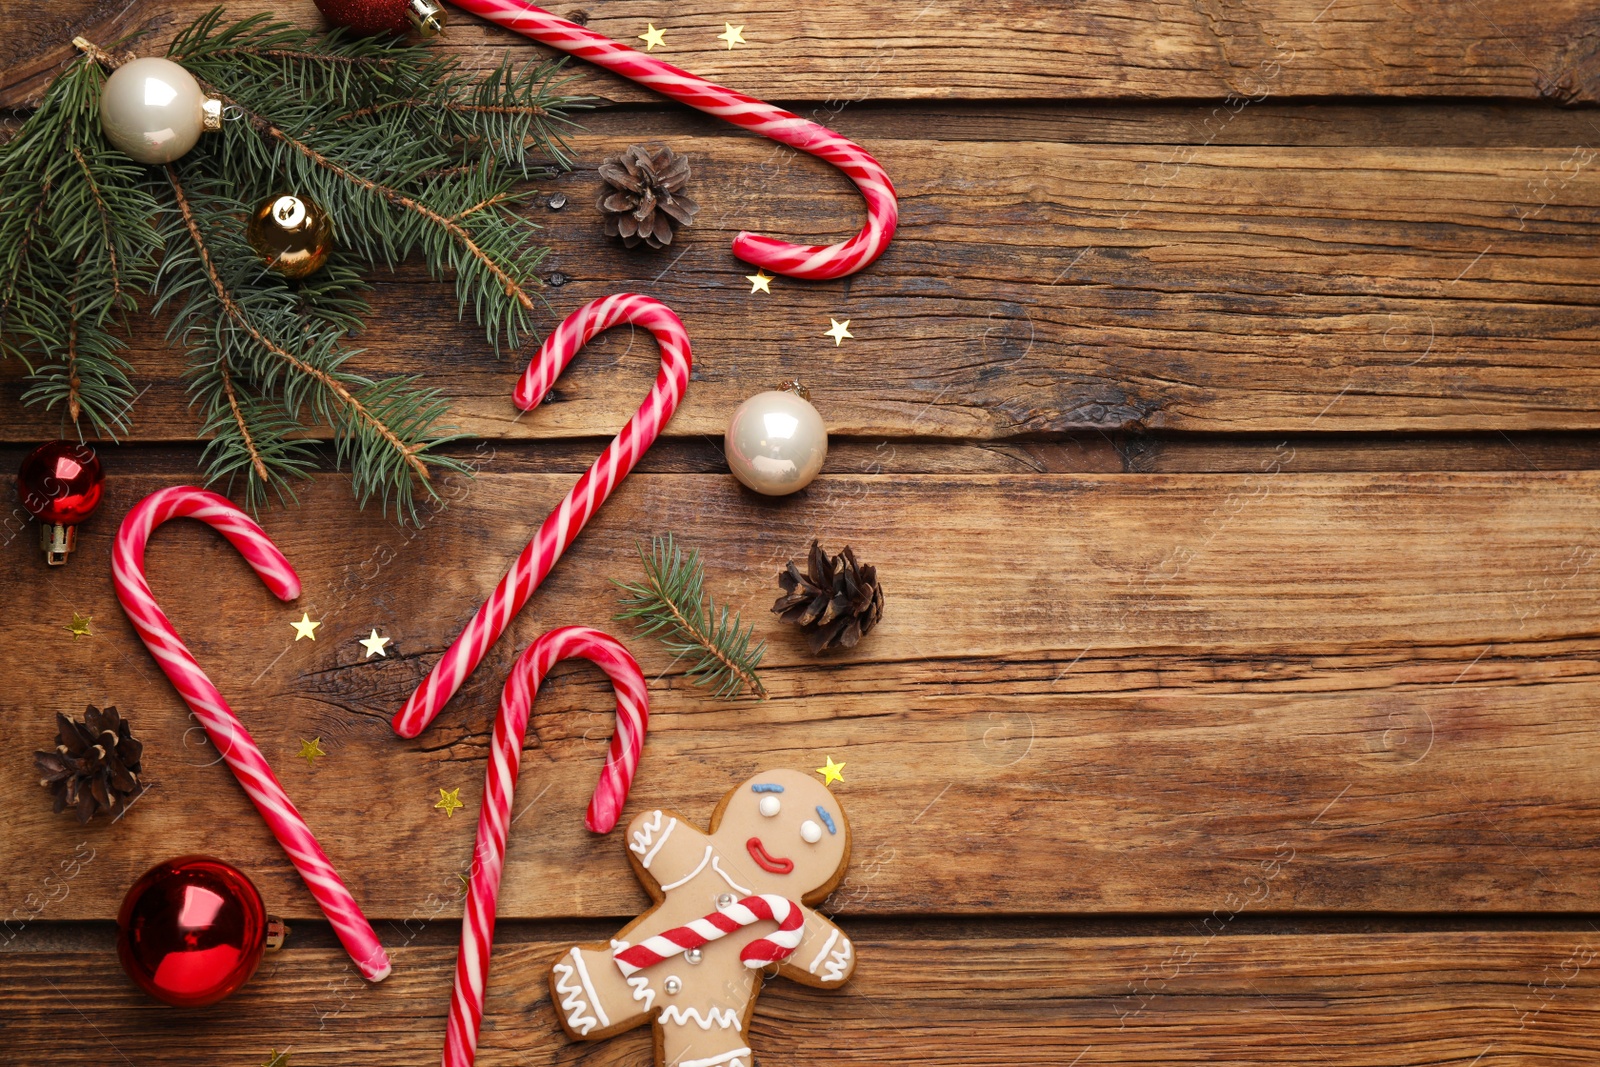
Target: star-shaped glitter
449,801
305,627
759,282
838,331
833,772
374,645
732,34
311,750
277,1059
79,626
652,36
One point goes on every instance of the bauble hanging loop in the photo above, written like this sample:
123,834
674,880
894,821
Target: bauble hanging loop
776,441
291,234
154,111
59,483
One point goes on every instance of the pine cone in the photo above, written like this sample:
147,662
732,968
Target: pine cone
95,766
644,200
836,602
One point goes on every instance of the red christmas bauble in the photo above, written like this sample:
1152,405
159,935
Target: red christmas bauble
191,931
60,482
384,16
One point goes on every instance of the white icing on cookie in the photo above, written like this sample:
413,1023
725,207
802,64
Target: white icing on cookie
721,1018
770,805
716,865
834,970
642,991
729,1059
833,935
572,995
646,831
666,833
702,866
810,832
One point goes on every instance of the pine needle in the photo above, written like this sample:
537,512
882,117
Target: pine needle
671,603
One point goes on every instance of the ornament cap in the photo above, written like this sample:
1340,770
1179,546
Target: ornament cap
277,933
794,385
57,540
427,17
211,114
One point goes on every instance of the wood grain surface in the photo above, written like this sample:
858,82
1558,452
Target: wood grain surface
1225,423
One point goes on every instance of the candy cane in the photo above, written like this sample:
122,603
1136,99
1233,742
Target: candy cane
224,729
562,526
494,818
799,261
717,924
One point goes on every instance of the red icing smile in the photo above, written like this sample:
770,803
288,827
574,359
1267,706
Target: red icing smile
766,862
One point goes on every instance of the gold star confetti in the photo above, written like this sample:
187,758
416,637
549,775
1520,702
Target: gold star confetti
759,282
79,626
305,627
838,331
374,645
277,1059
732,34
652,37
833,772
311,750
449,801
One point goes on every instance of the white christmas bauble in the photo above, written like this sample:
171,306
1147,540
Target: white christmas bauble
154,110
776,442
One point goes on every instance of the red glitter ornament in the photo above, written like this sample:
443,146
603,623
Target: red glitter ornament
192,930
59,483
423,17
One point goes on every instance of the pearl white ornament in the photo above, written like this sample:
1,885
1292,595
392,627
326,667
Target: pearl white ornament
776,442
770,806
154,111
810,832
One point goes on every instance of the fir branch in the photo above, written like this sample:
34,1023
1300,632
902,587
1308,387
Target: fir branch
231,307
672,603
234,408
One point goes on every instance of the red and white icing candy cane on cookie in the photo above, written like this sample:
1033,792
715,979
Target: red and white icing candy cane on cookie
563,525
765,907
224,729
799,261
494,819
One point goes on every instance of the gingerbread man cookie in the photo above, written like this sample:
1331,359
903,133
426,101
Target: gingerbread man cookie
692,965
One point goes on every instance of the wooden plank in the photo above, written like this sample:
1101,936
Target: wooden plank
1041,288
1097,693
1027,50
1504,998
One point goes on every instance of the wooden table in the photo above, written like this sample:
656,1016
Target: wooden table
1223,421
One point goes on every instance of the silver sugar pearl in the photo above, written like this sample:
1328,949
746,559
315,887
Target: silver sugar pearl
672,986
724,901
694,955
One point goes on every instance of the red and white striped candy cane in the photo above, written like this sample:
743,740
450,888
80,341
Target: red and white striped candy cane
224,729
562,526
494,819
799,261
765,907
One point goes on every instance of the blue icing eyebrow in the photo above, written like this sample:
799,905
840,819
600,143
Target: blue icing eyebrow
827,820
766,787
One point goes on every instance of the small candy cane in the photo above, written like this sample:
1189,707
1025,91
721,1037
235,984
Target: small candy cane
562,526
224,729
717,924
799,261
494,819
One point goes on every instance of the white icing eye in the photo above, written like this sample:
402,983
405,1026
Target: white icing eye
770,805
810,832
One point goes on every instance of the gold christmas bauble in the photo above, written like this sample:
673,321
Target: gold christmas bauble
292,235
